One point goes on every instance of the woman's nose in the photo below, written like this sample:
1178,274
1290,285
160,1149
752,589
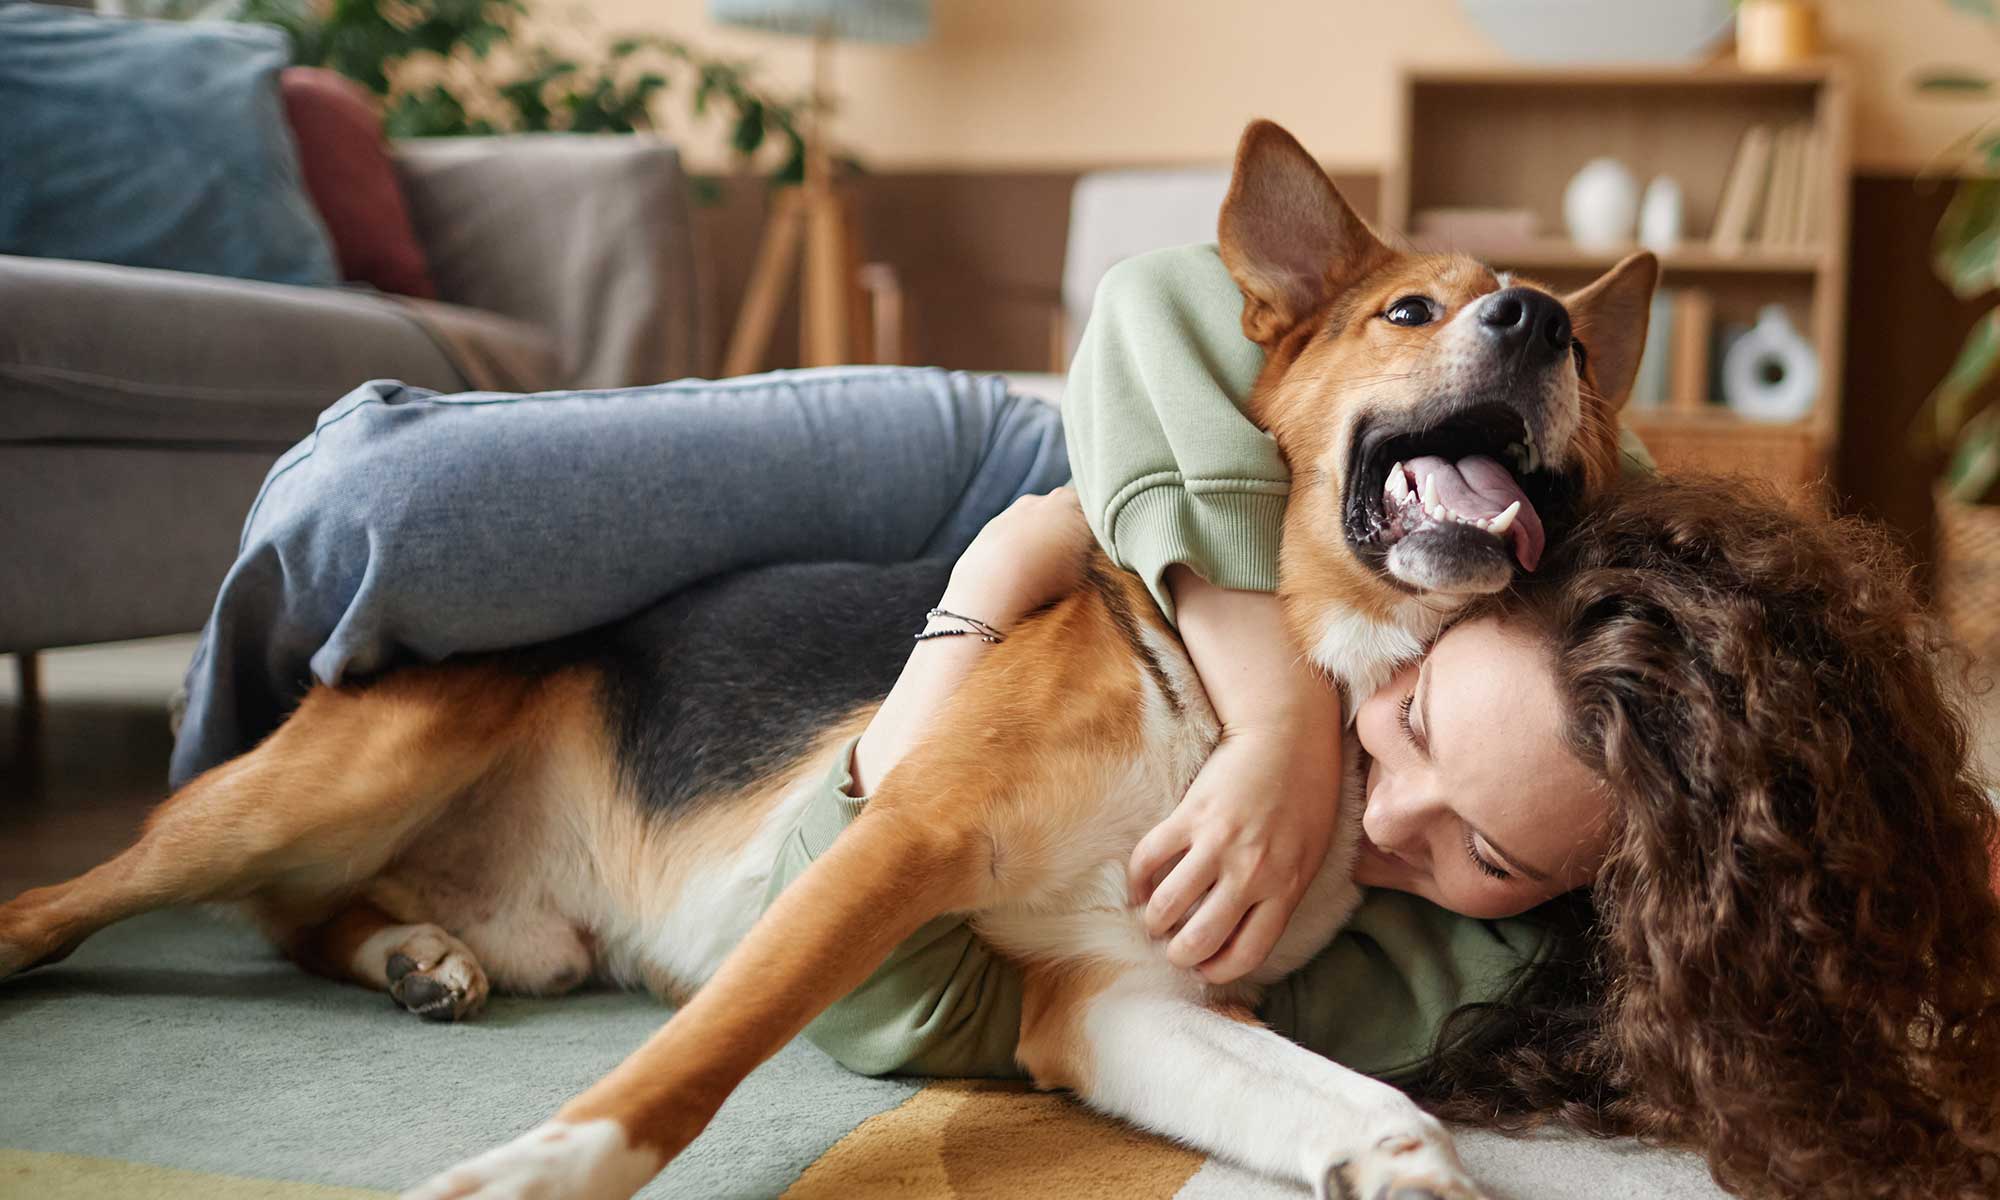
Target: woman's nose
1393,821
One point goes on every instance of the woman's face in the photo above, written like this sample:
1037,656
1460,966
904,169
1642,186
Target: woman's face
1472,801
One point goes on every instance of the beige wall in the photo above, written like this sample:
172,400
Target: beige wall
1069,83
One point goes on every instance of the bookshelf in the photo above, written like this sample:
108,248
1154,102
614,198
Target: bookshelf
1512,138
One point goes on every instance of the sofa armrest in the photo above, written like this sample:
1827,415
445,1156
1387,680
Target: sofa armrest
586,236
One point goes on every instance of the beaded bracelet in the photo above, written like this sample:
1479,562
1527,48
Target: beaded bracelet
976,627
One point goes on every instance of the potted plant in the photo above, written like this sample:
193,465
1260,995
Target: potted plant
1961,419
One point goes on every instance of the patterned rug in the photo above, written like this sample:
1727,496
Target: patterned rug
176,1058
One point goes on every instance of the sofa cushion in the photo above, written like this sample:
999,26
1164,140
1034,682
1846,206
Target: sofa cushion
353,183
99,353
154,144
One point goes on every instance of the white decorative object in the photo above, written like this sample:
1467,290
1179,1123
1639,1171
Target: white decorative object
1771,373
1601,205
1660,215
1583,31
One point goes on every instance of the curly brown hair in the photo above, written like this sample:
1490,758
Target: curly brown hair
1791,957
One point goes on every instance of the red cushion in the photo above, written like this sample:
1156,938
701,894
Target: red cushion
353,183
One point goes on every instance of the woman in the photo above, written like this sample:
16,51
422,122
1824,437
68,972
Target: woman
411,525
1705,749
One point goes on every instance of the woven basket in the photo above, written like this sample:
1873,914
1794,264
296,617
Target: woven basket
1968,579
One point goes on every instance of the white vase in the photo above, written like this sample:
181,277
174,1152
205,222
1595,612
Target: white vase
1601,205
1771,373
1660,215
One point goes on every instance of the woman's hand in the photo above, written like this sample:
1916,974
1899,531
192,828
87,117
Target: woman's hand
1030,555
1230,864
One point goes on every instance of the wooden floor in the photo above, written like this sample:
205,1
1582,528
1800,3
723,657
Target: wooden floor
102,760
100,763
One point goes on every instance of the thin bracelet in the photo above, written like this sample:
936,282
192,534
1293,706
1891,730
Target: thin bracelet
979,628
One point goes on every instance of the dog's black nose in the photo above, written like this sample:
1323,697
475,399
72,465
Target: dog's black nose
1526,321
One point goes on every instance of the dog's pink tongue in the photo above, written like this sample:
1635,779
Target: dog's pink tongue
1479,487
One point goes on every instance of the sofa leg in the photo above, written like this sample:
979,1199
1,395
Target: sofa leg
28,716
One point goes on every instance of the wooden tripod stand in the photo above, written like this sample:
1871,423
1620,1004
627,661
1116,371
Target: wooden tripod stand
819,213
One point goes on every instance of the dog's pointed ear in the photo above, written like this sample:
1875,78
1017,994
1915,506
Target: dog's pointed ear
1288,238
1609,318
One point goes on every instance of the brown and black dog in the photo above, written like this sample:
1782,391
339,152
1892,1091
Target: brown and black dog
610,807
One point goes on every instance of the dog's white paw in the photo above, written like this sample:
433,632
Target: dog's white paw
553,1161
1419,1164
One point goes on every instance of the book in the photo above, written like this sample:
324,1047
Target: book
1812,196
1780,198
1649,385
1693,324
1742,191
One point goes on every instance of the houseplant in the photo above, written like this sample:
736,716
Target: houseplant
1961,418
445,67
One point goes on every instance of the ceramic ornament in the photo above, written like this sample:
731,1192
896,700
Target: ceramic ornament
1771,373
1601,205
1660,215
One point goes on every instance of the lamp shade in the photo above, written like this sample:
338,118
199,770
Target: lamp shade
854,20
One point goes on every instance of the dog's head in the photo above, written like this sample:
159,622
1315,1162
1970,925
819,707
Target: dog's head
1440,420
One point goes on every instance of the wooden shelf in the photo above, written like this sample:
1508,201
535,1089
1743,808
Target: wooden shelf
1511,138
1557,254
1710,75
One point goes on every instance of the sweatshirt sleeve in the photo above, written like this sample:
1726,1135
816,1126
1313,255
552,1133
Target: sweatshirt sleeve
943,1004
1168,467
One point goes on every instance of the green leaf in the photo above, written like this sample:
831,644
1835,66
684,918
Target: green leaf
794,170
1966,250
705,190
1973,474
1950,79
1984,9
626,47
1951,403
749,132
432,112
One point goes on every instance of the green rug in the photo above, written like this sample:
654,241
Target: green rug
176,1057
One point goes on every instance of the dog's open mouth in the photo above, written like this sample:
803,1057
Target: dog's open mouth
1454,506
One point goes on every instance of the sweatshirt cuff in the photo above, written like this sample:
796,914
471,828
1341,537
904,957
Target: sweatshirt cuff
1226,533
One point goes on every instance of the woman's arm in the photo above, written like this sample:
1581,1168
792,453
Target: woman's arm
1026,557
1184,490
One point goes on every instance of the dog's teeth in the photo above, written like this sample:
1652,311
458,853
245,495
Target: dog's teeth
1505,520
1399,487
1435,511
1430,492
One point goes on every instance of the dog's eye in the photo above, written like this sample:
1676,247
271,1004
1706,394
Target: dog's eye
1581,355
1410,310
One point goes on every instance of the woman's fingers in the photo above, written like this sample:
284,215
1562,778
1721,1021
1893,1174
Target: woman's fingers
1153,857
1178,893
1210,927
1256,936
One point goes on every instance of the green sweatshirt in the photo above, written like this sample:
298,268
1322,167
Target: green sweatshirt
1170,470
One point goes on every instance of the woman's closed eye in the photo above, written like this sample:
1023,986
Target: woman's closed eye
1404,707
1480,860
1403,719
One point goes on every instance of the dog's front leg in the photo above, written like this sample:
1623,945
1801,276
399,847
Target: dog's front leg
917,851
1217,1081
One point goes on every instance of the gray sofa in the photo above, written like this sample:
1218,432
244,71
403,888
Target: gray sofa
139,409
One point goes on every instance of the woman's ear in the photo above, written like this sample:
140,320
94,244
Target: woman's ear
1288,238
1609,317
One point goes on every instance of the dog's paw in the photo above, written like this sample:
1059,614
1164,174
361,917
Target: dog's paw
1416,1165
554,1161
432,973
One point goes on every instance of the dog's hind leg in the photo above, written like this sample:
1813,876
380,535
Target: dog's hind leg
1216,1080
316,810
423,968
